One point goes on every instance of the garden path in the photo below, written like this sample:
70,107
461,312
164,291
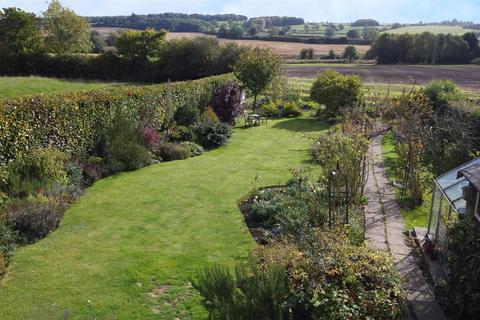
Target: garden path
384,231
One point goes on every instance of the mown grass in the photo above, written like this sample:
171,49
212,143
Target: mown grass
27,86
129,247
416,217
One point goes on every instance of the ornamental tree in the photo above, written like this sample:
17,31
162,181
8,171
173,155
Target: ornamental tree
256,69
336,91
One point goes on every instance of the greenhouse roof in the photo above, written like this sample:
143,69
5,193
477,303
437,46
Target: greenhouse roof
453,182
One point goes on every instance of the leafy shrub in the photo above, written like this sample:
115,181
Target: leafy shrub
440,92
149,136
124,148
464,275
8,240
195,149
39,168
186,115
280,110
265,206
349,153
209,115
336,91
283,90
252,293
332,279
169,151
290,109
227,102
181,133
211,135
95,168
74,173
35,218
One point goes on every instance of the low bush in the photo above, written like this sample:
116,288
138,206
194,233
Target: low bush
329,278
39,168
170,151
35,217
124,149
181,133
8,240
95,168
211,135
440,92
195,149
209,115
149,136
265,206
74,173
186,115
251,293
280,109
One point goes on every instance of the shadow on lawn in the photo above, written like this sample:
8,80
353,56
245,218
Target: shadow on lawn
301,125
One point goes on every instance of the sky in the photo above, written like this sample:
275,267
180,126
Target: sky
404,11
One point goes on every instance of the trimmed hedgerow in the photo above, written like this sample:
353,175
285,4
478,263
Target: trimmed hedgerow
76,122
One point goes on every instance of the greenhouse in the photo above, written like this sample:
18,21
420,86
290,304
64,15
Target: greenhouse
455,194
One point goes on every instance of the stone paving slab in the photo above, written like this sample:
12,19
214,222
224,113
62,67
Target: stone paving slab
384,230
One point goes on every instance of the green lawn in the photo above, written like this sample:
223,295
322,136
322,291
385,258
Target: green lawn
26,86
128,248
417,217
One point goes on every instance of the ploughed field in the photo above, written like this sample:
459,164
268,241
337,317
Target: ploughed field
285,49
467,76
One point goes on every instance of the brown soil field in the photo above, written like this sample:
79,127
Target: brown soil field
467,76
285,49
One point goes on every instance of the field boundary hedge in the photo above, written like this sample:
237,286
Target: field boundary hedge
74,122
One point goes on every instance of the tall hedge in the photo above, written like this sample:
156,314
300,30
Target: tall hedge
74,122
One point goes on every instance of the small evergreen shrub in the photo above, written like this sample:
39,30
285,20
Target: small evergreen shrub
280,109
265,206
74,173
35,217
8,240
209,115
124,149
37,169
195,149
181,133
95,168
249,293
170,151
186,115
212,135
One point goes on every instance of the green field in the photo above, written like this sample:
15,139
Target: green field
436,29
25,86
128,248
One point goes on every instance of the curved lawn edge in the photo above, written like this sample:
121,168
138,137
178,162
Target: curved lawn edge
128,248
